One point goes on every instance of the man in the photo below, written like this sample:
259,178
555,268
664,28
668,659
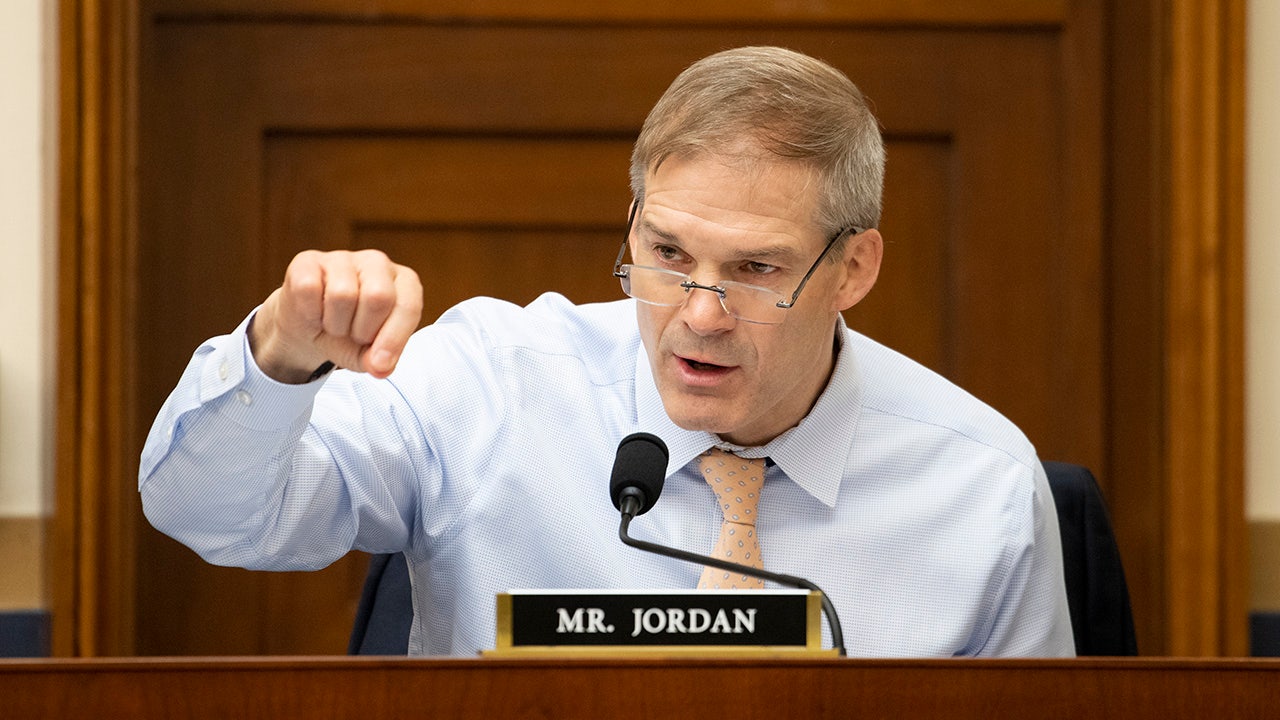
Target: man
479,446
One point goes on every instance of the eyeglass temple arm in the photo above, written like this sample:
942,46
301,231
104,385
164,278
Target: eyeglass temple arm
622,251
786,304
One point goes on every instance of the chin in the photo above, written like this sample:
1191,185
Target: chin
694,414
705,417
693,421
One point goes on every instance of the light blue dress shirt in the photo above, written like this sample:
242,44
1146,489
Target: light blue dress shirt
485,457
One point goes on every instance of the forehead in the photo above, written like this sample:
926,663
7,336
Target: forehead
732,193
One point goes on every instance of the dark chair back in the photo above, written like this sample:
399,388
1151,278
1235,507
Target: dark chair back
385,613
1097,593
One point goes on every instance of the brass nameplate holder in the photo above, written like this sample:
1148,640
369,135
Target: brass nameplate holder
627,622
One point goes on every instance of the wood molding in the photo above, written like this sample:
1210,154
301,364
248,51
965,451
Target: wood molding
898,13
657,686
91,538
1207,577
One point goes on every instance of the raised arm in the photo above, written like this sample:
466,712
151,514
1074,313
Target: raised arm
249,466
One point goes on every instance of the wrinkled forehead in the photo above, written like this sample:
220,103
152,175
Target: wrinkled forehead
736,189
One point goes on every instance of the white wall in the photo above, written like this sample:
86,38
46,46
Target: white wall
1262,274
26,242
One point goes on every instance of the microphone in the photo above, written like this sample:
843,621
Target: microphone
639,471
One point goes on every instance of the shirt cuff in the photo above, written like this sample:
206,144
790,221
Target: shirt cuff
232,383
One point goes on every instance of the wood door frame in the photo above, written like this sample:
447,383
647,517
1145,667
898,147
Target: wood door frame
1204,316
1183,394
90,538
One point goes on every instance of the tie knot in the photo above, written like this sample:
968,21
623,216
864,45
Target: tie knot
736,481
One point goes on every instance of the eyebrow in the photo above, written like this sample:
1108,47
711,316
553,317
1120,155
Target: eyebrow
649,227
773,252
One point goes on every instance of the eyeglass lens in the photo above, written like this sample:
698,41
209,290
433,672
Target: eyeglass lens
667,288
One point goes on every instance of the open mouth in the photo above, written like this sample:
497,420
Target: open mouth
698,375
702,366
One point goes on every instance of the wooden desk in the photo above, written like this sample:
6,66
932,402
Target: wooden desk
385,688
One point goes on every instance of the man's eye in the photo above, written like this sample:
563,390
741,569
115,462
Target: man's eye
759,268
666,253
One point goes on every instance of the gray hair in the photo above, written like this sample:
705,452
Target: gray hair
784,104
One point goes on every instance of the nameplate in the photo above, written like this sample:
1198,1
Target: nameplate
629,621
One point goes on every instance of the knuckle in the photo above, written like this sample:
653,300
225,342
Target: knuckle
411,302
306,257
378,299
371,255
303,284
340,291
411,286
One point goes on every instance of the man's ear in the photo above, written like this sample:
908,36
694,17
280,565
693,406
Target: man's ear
861,267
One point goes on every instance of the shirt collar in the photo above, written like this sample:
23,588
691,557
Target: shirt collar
813,454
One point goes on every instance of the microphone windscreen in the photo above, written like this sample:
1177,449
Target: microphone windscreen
641,463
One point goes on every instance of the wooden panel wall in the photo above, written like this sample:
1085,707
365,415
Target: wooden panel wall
485,144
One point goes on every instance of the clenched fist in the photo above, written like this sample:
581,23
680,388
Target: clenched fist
356,309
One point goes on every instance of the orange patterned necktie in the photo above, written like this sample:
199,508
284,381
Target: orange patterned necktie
737,483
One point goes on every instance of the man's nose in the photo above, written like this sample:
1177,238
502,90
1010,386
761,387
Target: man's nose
703,311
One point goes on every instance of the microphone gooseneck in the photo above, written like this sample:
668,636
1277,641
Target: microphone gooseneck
639,471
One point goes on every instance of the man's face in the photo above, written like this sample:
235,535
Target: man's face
716,218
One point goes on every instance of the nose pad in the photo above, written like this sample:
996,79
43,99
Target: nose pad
704,311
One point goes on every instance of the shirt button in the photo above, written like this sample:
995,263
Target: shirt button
223,370
244,397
